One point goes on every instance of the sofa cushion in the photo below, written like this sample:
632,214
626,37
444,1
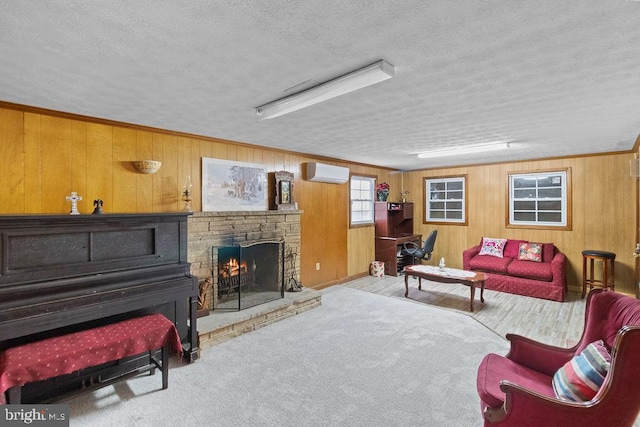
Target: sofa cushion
580,378
530,270
511,248
492,247
489,263
530,252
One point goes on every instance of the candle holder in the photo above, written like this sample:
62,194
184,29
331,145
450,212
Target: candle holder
187,195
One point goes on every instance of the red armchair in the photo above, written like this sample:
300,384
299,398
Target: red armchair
517,390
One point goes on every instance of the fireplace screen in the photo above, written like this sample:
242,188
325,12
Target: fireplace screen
247,275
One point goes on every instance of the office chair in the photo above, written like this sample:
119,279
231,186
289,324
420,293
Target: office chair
415,252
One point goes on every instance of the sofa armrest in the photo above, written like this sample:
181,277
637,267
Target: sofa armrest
467,254
558,270
538,356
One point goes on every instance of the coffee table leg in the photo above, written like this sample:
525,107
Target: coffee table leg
406,285
473,295
482,291
419,283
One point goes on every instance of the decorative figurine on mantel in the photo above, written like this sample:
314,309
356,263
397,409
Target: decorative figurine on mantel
74,199
98,204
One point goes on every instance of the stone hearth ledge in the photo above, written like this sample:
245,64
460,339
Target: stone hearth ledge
220,326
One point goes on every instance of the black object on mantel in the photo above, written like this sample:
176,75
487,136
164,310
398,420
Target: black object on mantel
64,273
98,204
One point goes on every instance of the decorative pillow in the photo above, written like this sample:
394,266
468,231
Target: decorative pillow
492,247
580,378
512,247
530,252
548,252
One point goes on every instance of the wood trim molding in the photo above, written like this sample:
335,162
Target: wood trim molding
539,159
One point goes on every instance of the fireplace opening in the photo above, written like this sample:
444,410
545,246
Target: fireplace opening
247,275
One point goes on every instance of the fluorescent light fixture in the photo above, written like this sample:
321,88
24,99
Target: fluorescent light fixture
471,149
355,80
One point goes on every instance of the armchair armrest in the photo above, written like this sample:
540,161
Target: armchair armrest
467,254
524,407
538,356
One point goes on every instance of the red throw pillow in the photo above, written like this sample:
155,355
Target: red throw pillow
512,247
548,252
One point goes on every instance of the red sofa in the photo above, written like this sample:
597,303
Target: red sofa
546,279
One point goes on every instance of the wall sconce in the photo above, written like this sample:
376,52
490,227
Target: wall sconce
147,166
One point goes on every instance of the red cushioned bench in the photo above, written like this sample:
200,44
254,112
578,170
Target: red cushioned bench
66,354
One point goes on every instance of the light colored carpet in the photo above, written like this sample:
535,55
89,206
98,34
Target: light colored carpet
359,359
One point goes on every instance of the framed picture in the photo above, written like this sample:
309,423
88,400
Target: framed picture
281,190
228,185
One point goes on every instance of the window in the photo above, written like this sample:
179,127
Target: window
540,199
446,200
361,190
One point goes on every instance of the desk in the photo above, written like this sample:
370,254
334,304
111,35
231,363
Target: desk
387,249
450,275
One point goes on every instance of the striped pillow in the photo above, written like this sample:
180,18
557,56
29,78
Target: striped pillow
580,378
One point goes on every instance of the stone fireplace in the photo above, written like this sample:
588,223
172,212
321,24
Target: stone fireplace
208,232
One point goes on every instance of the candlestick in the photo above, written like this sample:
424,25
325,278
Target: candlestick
186,194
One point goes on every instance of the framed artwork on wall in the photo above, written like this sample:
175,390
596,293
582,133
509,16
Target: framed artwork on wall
228,185
281,190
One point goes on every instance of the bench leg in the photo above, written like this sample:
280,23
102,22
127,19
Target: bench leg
14,395
165,367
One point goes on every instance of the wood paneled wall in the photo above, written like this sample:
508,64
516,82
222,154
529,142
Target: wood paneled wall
44,156
604,212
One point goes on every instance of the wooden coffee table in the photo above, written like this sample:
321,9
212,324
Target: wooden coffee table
449,275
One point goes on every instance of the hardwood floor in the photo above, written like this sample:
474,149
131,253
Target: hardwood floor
551,322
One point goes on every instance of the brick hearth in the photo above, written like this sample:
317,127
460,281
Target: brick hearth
220,326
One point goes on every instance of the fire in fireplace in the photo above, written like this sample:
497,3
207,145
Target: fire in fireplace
247,275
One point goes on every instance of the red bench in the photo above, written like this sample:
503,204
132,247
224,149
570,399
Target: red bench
66,354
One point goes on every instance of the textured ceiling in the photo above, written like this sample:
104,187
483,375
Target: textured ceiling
554,78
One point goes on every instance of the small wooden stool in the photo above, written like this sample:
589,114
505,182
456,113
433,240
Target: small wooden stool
608,270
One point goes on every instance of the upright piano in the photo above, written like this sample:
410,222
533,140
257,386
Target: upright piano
63,273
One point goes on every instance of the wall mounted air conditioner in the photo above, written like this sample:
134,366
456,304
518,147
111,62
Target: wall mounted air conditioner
320,172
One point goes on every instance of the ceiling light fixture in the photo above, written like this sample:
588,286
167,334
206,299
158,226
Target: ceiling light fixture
470,149
350,82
